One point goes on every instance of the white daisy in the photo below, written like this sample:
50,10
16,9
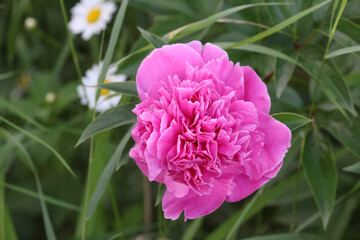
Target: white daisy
90,17
87,91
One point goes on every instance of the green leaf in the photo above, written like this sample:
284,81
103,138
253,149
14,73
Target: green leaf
106,175
348,133
153,39
196,26
280,26
292,120
287,236
193,229
354,168
267,196
50,234
258,49
113,40
12,108
160,193
283,73
50,200
46,145
320,171
343,51
128,87
10,233
349,28
109,119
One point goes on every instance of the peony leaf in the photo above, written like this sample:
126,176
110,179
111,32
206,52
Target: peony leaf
109,119
320,172
279,26
153,39
343,51
354,168
348,133
128,87
292,120
106,174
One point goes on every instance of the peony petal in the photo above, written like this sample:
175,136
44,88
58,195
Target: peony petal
276,141
196,45
235,80
194,205
244,187
211,52
255,90
167,61
221,67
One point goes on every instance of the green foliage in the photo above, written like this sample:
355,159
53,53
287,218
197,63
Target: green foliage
307,52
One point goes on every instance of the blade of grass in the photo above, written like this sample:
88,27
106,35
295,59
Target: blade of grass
12,108
128,87
279,26
46,145
343,51
107,174
50,200
153,39
50,234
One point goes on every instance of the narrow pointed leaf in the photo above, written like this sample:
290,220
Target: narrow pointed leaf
292,120
128,87
153,39
320,172
111,118
354,168
281,25
343,51
61,159
106,175
287,236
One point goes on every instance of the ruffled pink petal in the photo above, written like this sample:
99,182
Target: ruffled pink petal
167,61
244,187
194,205
196,45
221,67
255,90
276,141
235,80
212,51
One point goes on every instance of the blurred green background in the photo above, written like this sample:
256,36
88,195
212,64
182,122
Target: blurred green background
316,194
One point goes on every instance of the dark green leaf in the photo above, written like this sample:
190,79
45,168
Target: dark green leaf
283,73
287,236
320,171
111,118
292,120
128,87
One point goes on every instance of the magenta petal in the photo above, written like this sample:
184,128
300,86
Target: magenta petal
221,67
167,61
196,45
276,141
244,187
255,90
211,52
194,205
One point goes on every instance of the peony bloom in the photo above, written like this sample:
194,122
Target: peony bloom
87,91
90,17
204,128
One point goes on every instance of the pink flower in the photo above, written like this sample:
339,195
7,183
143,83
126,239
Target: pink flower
204,128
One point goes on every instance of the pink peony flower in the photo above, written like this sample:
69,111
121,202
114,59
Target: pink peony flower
204,128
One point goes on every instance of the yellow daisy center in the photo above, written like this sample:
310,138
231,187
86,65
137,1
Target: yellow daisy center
93,15
104,91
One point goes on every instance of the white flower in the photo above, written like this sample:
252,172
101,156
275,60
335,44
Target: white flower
87,91
50,97
90,17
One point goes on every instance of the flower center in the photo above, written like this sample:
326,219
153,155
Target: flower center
94,15
104,91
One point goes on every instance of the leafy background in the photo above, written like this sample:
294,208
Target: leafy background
308,54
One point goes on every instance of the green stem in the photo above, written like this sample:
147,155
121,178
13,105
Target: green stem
73,52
